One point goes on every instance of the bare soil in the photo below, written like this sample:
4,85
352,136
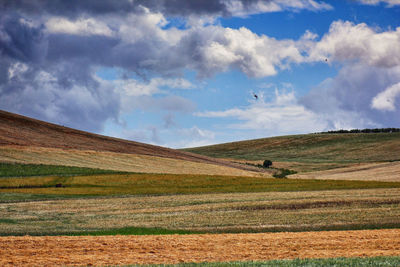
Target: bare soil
113,250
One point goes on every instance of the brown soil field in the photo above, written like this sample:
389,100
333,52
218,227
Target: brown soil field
388,171
115,250
21,131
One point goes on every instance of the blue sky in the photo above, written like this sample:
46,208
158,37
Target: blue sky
184,73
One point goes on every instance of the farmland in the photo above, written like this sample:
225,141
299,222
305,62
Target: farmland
312,148
122,250
211,213
63,195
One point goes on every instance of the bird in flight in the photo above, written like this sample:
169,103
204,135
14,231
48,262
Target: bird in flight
255,96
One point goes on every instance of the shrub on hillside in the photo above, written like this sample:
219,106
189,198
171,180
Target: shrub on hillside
267,163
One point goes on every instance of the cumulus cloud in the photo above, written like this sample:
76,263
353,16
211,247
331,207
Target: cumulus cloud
70,46
43,95
245,8
346,42
255,55
81,26
356,98
364,93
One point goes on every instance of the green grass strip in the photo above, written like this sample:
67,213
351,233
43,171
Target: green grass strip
115,231
336,262
23,170
168,184
162,231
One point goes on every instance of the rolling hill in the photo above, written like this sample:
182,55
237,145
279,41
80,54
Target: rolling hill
336,156
313,148
27,140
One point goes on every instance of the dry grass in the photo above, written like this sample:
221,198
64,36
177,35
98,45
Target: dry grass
297,166
208,212
115,161
389,171
119,250
20,131
312,148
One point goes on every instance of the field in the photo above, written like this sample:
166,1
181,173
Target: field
207,213
318,148
69,197
386,171
162,209
125,162
347,156
106,250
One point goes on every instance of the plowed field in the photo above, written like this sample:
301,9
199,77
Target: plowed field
112,250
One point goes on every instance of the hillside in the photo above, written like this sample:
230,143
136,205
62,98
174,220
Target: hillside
312,148
27,140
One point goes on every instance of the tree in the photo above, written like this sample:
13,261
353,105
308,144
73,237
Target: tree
267,163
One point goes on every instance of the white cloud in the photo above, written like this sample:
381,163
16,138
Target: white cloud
346,42
386,100
81,26
192,137
16,70
356,97
137,95
239,8
132,87
390,3
282,115
255,55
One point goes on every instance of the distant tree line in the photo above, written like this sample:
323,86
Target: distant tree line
377,130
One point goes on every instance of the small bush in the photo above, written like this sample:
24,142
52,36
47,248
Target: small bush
282,173
267,163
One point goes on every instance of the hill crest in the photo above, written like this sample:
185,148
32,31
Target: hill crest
22,131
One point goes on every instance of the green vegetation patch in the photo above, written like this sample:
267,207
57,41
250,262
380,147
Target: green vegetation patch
102,232
7,221
26,197
23,170
337,262
165,184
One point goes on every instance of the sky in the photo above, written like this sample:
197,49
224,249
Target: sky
180,73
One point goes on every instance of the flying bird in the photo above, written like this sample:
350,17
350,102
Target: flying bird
255,96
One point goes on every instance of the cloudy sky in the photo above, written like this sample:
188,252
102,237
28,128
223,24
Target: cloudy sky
181,73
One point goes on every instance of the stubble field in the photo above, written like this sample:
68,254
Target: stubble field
168,249
208,213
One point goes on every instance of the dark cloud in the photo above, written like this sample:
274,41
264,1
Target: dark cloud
42,78
20,40
179,8
72,8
